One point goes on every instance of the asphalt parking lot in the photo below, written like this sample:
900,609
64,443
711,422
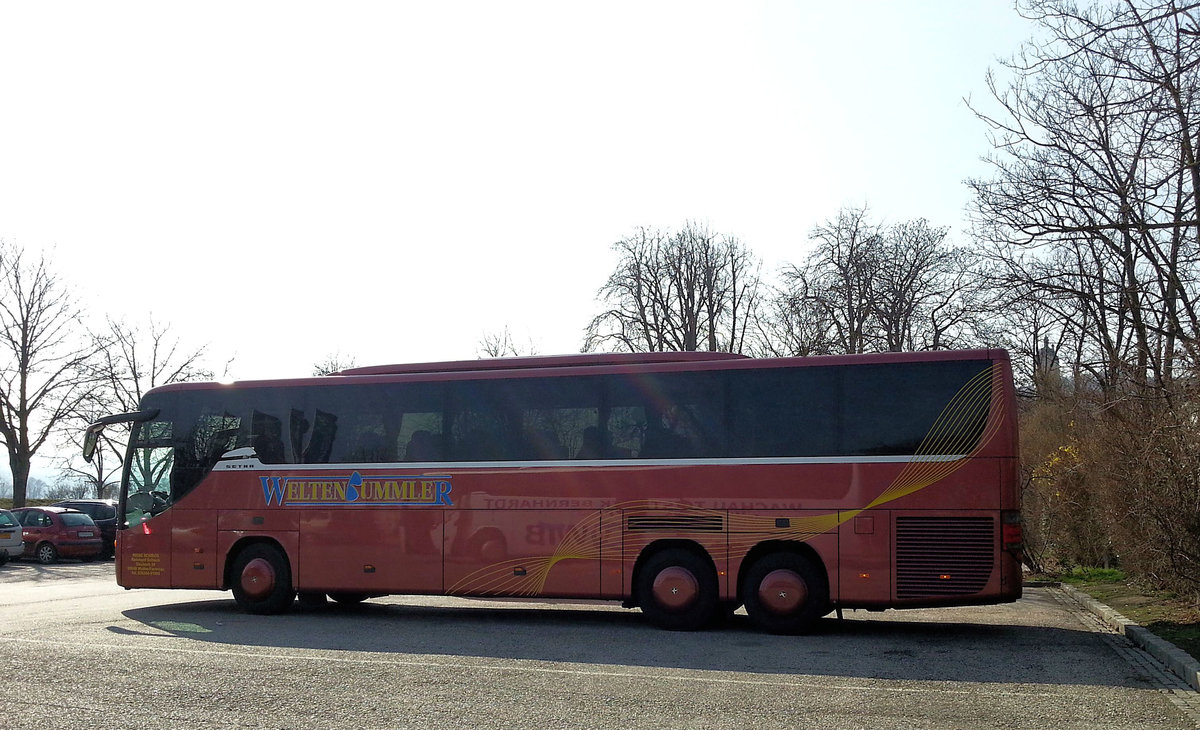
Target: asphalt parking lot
78,643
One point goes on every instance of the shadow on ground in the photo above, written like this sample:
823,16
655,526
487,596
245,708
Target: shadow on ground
889,646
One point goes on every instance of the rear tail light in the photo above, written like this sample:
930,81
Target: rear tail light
1011,531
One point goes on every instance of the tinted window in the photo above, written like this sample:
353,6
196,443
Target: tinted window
35,518
76,519
537,419
893,409
667,415
888,409
792,412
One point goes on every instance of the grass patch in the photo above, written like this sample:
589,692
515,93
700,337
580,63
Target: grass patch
1167,615
1079,576
6,502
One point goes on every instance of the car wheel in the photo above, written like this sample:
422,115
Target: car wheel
262,579
46,553
3,557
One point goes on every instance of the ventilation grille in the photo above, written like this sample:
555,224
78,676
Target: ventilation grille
676,523
943,556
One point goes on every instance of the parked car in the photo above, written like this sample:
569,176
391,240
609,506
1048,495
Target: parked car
53,532
11,544
104,513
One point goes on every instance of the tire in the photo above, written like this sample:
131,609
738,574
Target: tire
46,553
785,593
3,557
262,580
677,590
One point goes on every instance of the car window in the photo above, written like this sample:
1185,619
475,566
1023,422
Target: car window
76,519
104,512
34,518
8,519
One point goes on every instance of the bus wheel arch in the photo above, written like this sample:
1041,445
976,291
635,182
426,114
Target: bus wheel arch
260,575
784,586
675,585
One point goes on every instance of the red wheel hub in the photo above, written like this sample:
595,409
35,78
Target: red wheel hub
675,588
782,591
258,578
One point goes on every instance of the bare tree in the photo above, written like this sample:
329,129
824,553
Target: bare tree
1092,204
501,344
1089,220
45,359
792,324
334,364
131,360
684,291
837,279
872,287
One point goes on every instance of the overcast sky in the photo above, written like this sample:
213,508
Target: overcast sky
393,180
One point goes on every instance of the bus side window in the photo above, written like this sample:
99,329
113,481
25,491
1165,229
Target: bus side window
320,446
266,436
626,432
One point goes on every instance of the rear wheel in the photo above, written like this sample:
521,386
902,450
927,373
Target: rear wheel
785,593
3,557
677,590
46,553
262,580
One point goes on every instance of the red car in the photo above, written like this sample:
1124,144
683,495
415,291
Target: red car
53,532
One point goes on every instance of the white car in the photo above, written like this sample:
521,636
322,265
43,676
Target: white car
11,544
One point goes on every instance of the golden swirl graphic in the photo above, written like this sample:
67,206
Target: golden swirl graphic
952,440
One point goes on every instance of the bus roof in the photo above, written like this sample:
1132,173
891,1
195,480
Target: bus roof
539,361
579,364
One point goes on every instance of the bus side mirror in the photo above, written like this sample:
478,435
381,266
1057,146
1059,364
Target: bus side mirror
90,439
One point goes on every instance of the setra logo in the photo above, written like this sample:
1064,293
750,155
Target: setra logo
356,490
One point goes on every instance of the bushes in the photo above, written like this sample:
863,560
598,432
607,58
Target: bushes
1115,483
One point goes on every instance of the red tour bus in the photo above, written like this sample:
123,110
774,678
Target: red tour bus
686,484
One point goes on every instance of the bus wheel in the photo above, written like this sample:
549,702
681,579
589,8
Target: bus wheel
262,580
785,593
677,590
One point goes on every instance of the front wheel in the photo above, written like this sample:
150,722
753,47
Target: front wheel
785,593
677,590
262,580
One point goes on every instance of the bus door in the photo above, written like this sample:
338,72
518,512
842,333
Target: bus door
144,550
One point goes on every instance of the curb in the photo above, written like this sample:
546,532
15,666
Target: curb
1179,662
